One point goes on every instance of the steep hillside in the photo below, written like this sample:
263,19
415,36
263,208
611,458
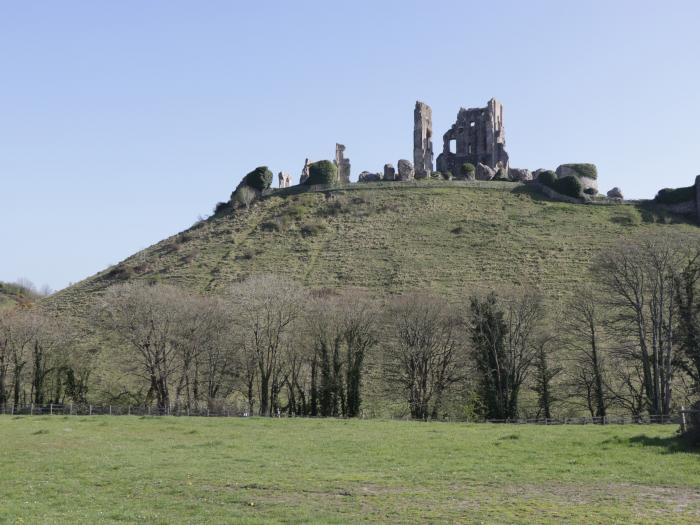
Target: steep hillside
12,294
451,237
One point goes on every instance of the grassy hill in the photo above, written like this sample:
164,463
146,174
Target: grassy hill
451,237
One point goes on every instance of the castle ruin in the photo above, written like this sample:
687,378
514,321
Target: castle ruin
477,137
422,140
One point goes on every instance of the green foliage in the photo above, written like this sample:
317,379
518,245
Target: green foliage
590,191
467,168
548,178
570,186
447,175
675,195
259,179
322,172
584,169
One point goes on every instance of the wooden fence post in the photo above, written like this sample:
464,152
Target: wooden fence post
684,428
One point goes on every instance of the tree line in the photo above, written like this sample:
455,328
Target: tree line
626,341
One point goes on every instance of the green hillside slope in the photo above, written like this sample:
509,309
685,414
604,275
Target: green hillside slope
391,237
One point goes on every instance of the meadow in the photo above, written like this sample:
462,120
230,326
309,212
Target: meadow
122,469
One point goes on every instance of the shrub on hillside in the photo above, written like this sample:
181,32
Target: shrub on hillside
322,172
675,195
569,186
467,169
243,196
259,179
583,169
548,178
447,175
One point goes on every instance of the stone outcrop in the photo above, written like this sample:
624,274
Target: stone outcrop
477,137
389,172
519,174
368,176
285,179
615,193
405,170
342,164
422,140
484,172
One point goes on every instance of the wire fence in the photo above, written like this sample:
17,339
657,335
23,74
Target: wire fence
75,409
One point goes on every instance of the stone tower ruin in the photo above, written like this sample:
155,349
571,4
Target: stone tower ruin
422,140
477,137
342,163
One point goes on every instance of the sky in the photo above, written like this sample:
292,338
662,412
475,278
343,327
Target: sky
123,122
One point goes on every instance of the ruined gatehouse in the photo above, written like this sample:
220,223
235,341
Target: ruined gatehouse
477,137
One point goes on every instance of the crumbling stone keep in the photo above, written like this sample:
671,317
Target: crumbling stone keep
477,137
342,163
422,140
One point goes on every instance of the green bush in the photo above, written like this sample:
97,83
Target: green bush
467,168
548,178
675,195
322,172
260,178
583,169
447,175
570,186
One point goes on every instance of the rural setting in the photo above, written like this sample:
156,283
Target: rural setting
383,311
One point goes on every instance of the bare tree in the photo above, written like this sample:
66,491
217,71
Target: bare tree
266,308
642,279
583,336
427,354
342,330
503,336
148,319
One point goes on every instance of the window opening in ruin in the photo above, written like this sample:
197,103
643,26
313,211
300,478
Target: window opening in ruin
469,149
472,124
453,146
460,130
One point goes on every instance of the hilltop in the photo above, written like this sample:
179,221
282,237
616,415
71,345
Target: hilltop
449,237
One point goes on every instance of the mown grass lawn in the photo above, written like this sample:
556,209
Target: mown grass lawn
105,469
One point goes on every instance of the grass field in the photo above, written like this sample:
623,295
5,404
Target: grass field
196,470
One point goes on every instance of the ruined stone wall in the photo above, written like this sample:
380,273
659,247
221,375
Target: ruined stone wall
477,137
422,140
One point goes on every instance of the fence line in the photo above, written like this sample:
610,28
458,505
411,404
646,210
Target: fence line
75,409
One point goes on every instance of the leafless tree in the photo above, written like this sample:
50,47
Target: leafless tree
642,279
342,330
426,355
147,318
266,308
583,335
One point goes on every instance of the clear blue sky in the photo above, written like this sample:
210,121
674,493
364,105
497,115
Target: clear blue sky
122,121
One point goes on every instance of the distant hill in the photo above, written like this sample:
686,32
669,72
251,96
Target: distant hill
390,237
